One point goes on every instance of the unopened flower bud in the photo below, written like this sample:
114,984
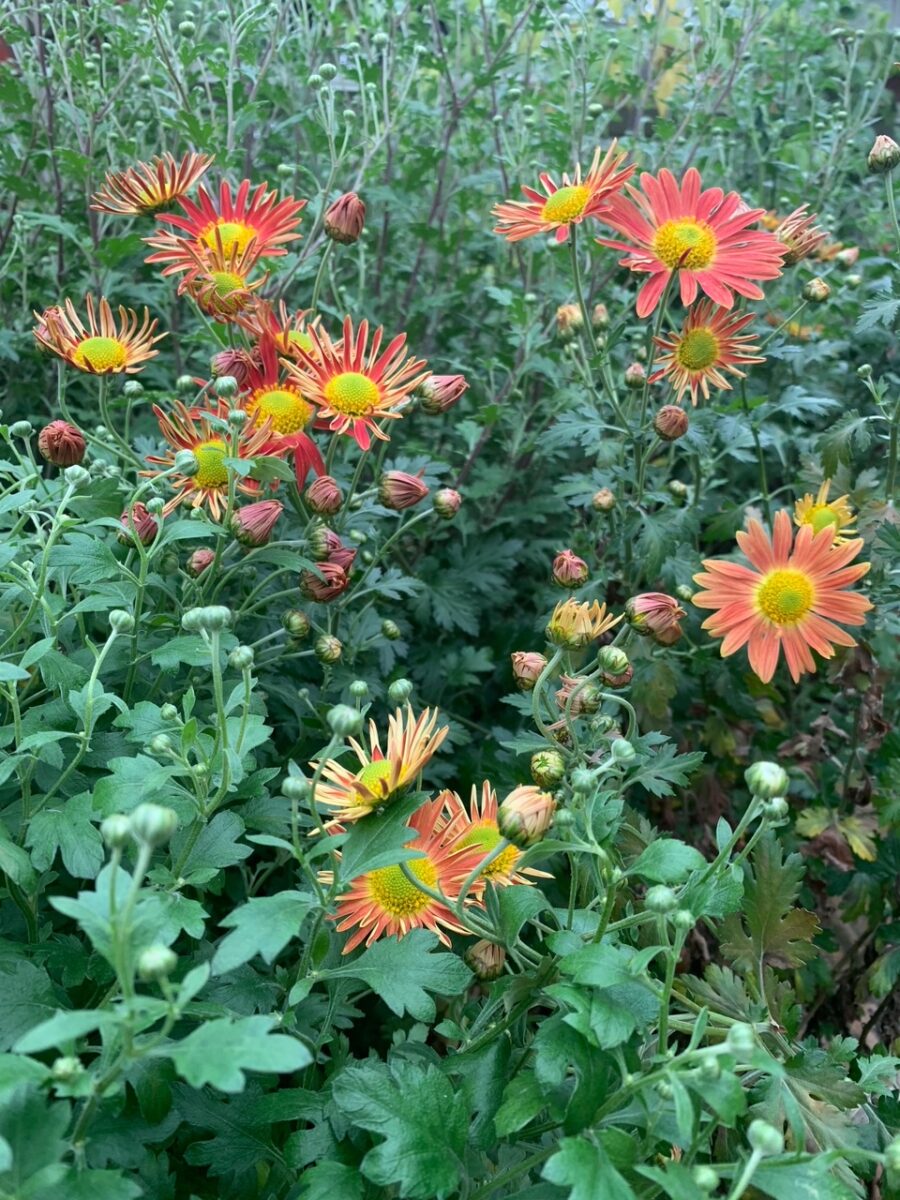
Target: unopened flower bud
252,524
121,621
61,444
765,1137
132,388
400,691
345,219
21,429
324,496
684,920
884,155
485,959
238,418
296,623
548,768
816,291
569,571
398,490
153,823
156,962
138,524
328,649
359,689
155,505
705,1178
446,503
583,781
612,660
234,363
226,387
569,320
169,712
892,1155
656,615
212,619
76,476
317,541
66,1069
741,1040
328,70
660,899
847,257
766,780
618,679
186,463
525,815
635,376
776,809
671,422
160,745
326,583
241,658
622,750
390,630
526,667
344,721
603,501
600,316
440,392
115,830
295,787
198,562
185,384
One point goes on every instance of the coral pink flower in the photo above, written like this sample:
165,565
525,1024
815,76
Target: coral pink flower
526,667
252,524
324,496
440,392
656,615
277,399
337,552
788,598
148,186
199,561
235,222
569,570
703,235
709,344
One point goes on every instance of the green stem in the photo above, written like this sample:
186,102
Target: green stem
320,275
760,457
537,692
743,1180
892,204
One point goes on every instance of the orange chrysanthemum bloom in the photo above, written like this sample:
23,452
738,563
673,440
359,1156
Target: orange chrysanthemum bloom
289,330
789,598
799,235
148,186
237,221
102,347
353,386
476,828
384,903
820,514
568,204
192,429
382,776
703,235
710,343
219,280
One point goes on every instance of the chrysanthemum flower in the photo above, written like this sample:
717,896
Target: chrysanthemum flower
790,597
237,221
703,235
559,207
382,775
102,347
575,623
273,398
288,329
189,429
709,344
353,386
384,903
799,235
148,186
476,828
819,514
220,281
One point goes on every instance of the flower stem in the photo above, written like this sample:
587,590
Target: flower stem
760,457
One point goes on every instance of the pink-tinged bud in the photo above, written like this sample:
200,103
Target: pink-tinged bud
486,960
440,392
324,496
344,220
656,615
671,422
236,363
45,329
252,525
398,490
569,571
336,552
334,581
635,376
525,815
569,320
618,680
600,316
526,667
446,503
848,257
816,290
577,697
138,523
199,561
884,155
604,500
61,444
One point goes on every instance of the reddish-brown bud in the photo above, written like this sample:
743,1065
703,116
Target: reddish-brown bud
336,552
139,523
398,490
569,571
656,615
235,362
199,561
440,392
324,496
344,220
620,680
635,376
526,667
671,422
252,525
446,503
577,696
334,580
61,444
884,155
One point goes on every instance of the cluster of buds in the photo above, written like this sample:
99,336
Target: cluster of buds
137,524
569,320
61,444
440,392
656,615
332,574
252,524
525,815
324,496
526,668
397,490
345,219
569,571
152,824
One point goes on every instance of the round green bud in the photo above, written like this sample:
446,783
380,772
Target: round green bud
664,1089
295,787
76,476
766,780
684,920
705,1178
155,505
116,831
21,429
741,1040
186,463
612,659
348,115
187,28
660,899
121,621
67,1069
328,70
622,750
400,691
583,781
284,170
169,712
380,39
710,1068
563,818
344,721
132,388
241,658
359,689
160,744
390,630
238,418
315,81
184,384
153,824
776,809
548,768
892,1155
156,962
328,649
213,618
765,1138
865,371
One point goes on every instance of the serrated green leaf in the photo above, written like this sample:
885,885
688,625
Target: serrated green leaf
584,1167
403,970
219,1053
262,926
667,860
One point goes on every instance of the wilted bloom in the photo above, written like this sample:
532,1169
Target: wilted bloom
61,444
446,503
704,236
344,220
709,344
101,347
438,393
398,490
789,598
145,187
475,828
235,362
600,316
563,206
525,815
324,496
252,524
234,222
356,385
819,514
799,235
199,561
656,615
884,155
569,570
817,290
526,667
575,624
635,376
337,552
604,500
486,960
671,423
328,584
137,523
569,320
382,775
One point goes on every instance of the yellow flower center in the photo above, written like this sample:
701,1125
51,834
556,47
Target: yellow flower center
226,282
821,516
301,339
697,349
287,408
100,354
375,778
211,457
397,895
688,244
234,236
352,394
785,596
566,204
486,836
